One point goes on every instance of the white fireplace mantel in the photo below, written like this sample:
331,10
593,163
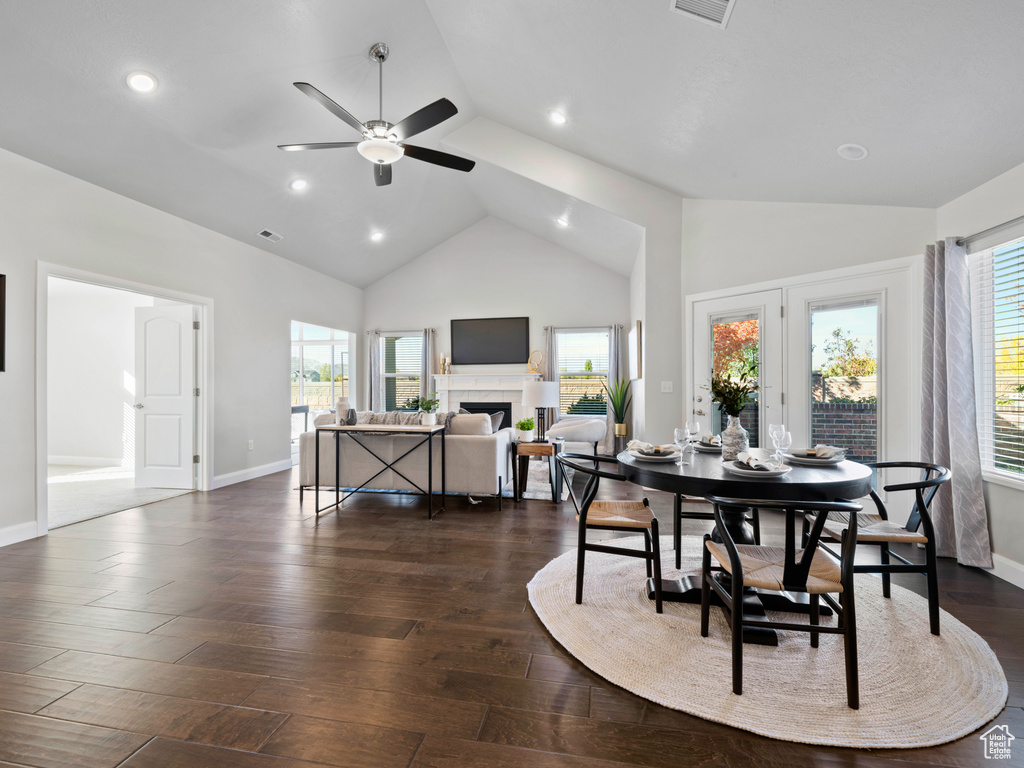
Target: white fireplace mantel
454,388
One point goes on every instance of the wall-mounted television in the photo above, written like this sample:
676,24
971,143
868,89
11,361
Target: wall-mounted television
491,341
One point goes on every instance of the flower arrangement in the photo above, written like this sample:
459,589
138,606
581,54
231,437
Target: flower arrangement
733,393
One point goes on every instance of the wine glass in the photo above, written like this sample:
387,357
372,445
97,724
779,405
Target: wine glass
784,443
692,434
775,432
680,438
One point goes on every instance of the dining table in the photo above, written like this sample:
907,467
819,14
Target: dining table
706,474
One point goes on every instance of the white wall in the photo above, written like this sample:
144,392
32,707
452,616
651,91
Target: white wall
493,269
49,216
730,242
90,348
652,208
994,202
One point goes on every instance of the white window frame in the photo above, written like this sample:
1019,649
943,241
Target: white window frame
560,374
983,332
336,337
384,375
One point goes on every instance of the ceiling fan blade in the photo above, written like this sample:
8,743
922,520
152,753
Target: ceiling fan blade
331,106
382,174
329,145
425,118
438,158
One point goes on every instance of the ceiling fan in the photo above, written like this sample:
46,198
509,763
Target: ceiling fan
382,142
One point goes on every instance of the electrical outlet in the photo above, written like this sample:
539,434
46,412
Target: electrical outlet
251,444
666,386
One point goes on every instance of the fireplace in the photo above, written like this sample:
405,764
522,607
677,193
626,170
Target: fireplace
503,408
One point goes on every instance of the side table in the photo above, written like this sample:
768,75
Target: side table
521,453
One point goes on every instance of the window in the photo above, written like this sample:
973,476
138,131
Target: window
402,358
997,299
582,356
320,369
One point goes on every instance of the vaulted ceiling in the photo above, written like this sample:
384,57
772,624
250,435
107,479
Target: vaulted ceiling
751,112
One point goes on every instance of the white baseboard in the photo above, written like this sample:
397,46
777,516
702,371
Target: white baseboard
84,461
12,534
219,481
1008,570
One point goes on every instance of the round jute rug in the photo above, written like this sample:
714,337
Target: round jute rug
916,690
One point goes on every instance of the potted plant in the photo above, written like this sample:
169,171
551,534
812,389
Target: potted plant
733,394
619,399
426,405
524,430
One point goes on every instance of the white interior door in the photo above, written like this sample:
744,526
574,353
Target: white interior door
730,326
165,402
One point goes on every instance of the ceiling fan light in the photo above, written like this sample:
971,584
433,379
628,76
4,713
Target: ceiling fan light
380,151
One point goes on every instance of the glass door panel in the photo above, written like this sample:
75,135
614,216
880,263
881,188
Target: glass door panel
735,353
732,336
844,376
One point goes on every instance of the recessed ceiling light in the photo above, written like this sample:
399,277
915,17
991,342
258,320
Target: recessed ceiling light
297,185
563,222
557,118
852,152
377,237
143,82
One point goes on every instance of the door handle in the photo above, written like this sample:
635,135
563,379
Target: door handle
138,405
698,412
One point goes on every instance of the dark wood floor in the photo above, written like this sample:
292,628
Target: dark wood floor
226,629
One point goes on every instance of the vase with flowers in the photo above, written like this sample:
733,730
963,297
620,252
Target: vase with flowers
733,393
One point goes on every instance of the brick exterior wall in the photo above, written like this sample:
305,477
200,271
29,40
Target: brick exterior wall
853,426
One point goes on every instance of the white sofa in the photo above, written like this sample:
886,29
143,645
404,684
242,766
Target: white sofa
477,464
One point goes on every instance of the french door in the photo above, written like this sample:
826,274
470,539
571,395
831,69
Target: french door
836,360
737,335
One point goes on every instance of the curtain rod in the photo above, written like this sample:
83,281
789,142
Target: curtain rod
965,241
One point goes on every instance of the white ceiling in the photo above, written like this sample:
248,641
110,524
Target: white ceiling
752,112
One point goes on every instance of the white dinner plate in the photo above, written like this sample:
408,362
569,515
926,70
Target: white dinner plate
705,448
665,457
814,461
749,472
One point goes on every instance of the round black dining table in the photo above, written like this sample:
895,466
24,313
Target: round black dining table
706,475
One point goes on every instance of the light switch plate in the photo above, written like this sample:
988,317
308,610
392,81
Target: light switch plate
666,386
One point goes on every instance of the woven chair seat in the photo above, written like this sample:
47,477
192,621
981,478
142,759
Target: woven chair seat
763,567
625,514
870,528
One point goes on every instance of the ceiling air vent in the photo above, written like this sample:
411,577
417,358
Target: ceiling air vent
273,237
709,11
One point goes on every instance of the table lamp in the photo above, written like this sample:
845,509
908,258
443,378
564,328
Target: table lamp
540,395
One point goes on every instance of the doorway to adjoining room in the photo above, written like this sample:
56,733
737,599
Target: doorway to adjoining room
103,419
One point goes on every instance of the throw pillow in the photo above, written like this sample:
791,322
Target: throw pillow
445,420
496,421
471,424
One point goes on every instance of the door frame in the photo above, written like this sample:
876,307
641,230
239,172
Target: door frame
912,266
204,370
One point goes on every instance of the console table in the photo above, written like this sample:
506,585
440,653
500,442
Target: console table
355,432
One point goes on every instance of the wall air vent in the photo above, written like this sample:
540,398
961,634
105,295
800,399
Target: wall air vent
714,12
273,237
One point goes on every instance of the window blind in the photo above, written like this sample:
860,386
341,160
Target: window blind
997,311
582,361
402,359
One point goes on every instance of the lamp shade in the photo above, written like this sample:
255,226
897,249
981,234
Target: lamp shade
540,394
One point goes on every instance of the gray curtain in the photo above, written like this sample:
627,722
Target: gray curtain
427,370
614,374
949,431
550,370
374,379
